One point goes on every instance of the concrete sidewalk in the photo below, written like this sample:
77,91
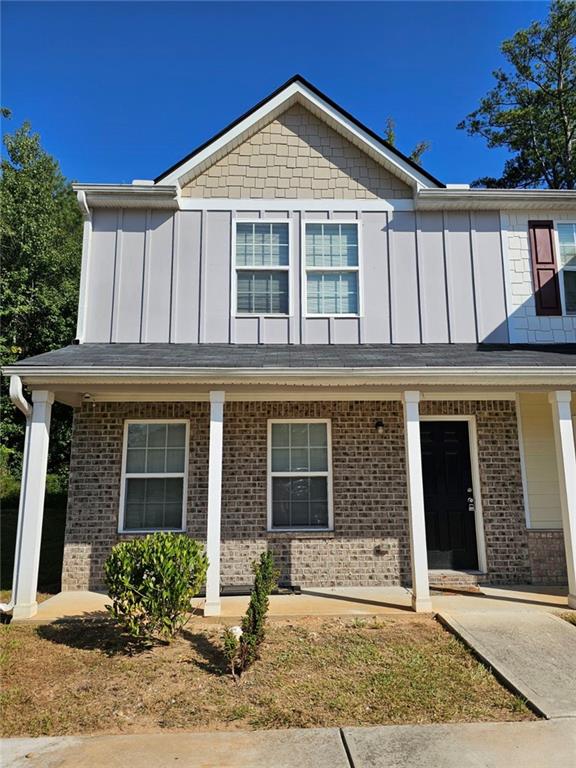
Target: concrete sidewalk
543,744
534,652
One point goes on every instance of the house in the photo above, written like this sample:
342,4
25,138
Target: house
297,339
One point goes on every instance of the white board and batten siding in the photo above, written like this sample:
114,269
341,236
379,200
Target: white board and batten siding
425,277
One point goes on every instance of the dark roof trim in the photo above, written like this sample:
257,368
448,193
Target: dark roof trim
317,92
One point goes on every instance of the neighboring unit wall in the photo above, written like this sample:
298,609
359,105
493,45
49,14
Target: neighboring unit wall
540,461
297,155
430,277
525,325
369,544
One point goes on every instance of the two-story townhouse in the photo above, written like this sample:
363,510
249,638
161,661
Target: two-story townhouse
296,339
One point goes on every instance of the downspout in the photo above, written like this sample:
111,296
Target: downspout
17,397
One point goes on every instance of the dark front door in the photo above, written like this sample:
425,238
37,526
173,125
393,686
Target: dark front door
448,499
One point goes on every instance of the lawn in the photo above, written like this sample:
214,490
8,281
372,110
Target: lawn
77,677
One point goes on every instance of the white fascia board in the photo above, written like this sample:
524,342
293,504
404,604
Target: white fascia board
293,92
489,199
541,375
293,204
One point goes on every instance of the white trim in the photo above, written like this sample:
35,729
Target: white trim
542,376
124,475
234,314
475,473
306,269
566,463
421,601
214,507
506,265
523,472
298,92
293,204
327,475
86,247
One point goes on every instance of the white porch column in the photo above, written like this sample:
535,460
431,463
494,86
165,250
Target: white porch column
32,491
421,601
566,461
212,606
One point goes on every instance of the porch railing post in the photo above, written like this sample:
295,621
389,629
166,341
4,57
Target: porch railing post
32,493
421,601
212,606
566,462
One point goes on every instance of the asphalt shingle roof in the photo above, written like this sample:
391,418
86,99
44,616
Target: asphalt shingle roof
270,356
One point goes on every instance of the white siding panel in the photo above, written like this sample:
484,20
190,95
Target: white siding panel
216,262
459,277
100,282
130,278
158,278
186,277
433,299
404,279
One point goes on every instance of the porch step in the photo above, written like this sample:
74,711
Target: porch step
461,580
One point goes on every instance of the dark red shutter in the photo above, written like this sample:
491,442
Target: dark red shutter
544,270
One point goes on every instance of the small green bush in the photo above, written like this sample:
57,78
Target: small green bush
151,582
243,651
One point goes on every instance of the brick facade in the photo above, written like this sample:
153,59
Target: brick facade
297,156
547,557
369,545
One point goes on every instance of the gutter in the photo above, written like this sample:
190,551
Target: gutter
17,397
566,375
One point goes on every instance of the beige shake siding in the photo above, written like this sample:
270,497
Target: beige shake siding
297,156
540,461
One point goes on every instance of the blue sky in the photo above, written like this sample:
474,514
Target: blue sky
123,90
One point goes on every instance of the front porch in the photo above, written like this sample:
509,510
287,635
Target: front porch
377,534
332,602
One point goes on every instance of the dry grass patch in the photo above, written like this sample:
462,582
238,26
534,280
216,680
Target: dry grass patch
78,677
569,616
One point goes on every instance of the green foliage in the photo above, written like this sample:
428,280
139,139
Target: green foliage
531,110
41,245
390,136
242,651
151,582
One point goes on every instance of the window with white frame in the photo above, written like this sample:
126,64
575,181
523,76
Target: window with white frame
332,271
262,268
567,259
299,482
154,476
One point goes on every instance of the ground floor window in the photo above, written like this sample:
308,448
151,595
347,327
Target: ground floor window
299,475
153,493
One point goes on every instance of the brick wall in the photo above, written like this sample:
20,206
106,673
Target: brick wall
297,156
369,545
547,557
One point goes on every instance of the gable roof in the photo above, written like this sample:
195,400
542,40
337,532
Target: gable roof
298,90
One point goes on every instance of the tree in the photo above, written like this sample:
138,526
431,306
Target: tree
390,136
532,108
41,244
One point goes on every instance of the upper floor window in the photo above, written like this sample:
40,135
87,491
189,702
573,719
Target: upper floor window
262,268
567,259
153,493
331,263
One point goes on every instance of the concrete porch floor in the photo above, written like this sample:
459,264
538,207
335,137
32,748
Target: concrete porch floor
336,601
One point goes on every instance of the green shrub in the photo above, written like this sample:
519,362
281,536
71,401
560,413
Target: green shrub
151,582
243,650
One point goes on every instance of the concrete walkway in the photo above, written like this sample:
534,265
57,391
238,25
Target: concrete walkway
544,744
336,601
534,652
